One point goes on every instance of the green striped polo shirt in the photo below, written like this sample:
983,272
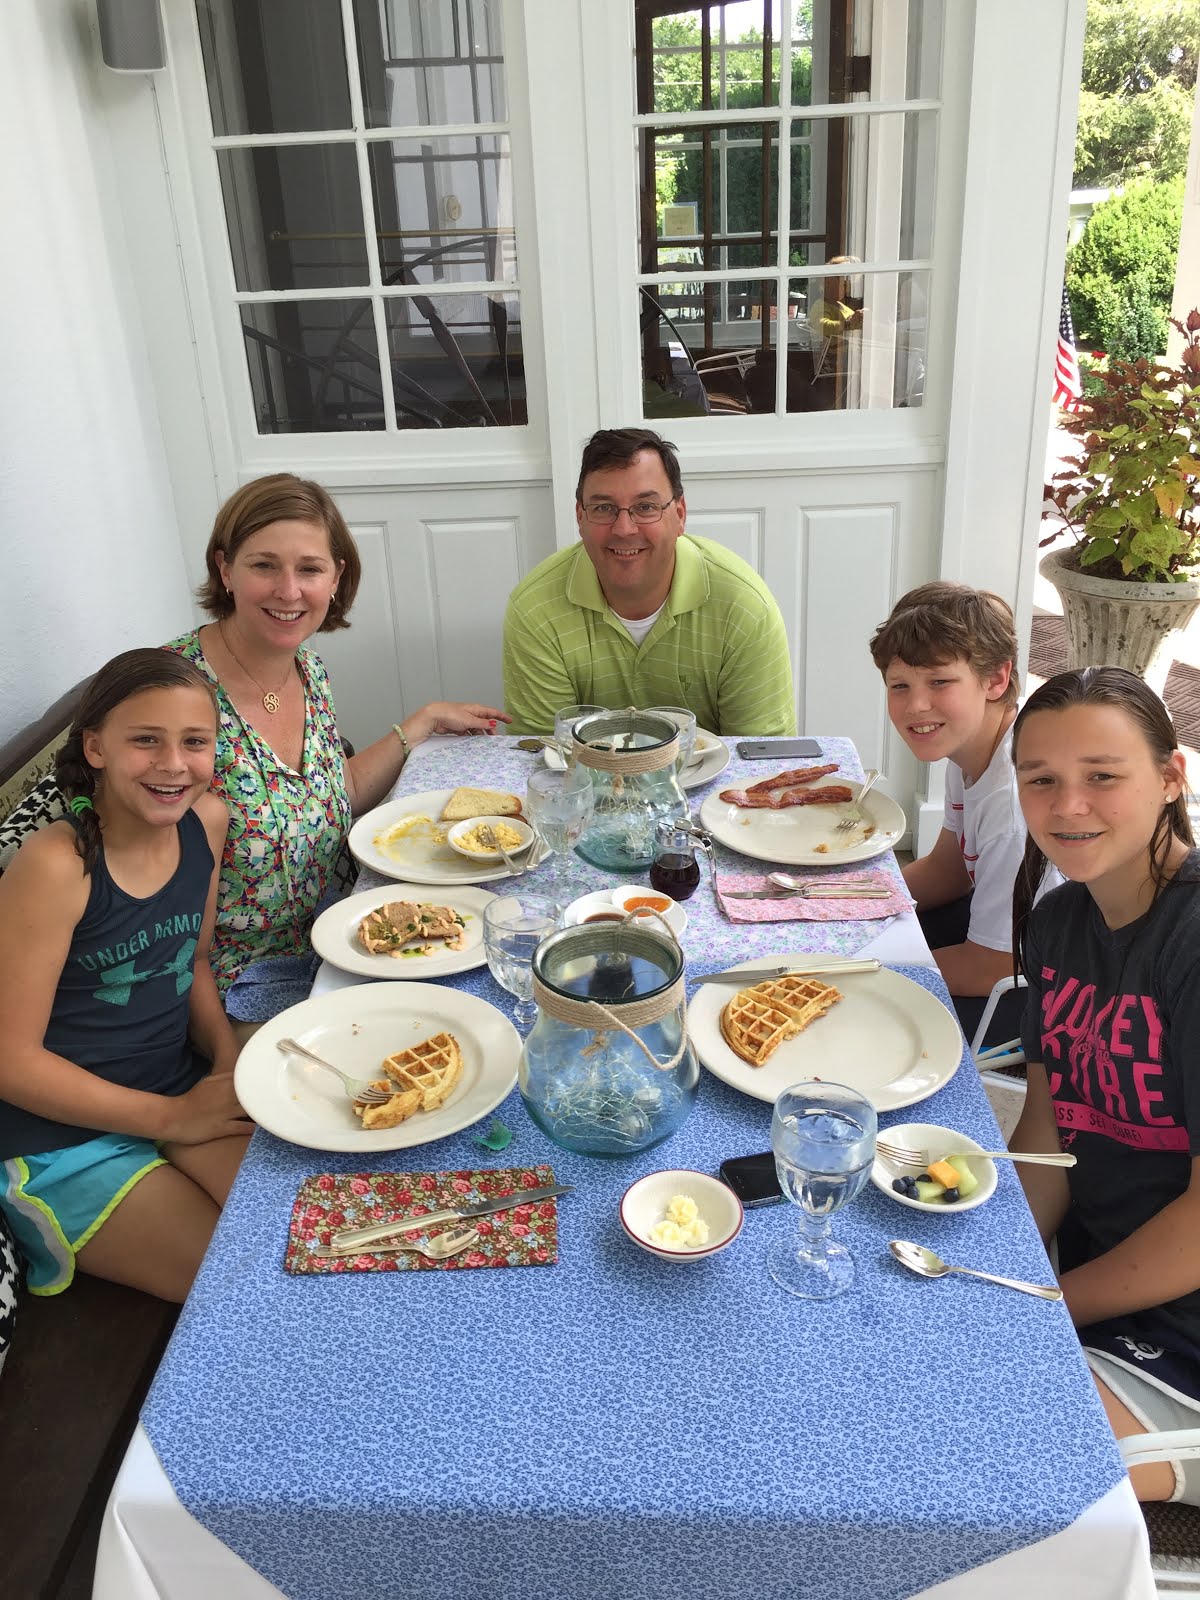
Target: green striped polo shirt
718,645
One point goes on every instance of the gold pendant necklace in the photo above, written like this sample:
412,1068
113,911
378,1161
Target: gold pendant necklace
270,697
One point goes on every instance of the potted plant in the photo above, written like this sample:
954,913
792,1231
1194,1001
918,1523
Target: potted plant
1131,498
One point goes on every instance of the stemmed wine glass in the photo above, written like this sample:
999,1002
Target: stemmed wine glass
513,927
559,805
823,1137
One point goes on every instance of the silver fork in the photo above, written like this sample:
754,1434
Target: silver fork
902,1156
807,892
489,837
359,1089
855,817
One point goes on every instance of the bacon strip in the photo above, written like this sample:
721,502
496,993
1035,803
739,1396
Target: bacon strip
788,780
831,795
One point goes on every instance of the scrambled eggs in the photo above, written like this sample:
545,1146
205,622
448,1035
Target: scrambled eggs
470,840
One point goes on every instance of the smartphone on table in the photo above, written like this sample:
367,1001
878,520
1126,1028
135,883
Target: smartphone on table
777,749
753,1179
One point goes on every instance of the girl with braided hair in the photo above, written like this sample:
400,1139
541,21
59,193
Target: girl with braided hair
120,1133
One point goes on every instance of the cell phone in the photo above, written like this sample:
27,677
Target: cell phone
776,749
753,1179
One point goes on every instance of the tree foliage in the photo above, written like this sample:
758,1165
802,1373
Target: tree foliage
1139,78
1121,272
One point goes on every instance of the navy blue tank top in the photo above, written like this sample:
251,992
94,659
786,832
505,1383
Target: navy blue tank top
121,1007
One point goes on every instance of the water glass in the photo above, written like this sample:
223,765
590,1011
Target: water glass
566,718
823,1137
513,927
685,721
559,805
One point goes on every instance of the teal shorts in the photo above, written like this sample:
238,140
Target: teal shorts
55,1201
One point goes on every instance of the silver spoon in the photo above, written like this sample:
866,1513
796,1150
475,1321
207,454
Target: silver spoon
920,1260
437,1247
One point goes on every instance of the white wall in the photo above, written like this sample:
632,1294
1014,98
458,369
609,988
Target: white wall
89,551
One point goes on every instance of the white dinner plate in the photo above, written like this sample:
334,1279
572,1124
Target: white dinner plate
710,757
417,859
355,1029
335,933
805,836
887,1037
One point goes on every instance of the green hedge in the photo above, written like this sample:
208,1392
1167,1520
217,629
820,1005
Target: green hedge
1121,272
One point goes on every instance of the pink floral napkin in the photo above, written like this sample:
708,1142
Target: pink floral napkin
795,908
523,1235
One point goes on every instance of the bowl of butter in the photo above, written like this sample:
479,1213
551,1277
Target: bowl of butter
467,837
680,1215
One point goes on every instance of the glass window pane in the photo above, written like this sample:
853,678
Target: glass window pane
703,58
859,342
430,61
274,66
294,216
863,187
314,366
714,191
444,209
711,56
708,348
457,361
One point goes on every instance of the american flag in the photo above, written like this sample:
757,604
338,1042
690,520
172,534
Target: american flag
1067,385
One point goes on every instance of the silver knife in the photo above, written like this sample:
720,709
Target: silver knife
752,975
350,1237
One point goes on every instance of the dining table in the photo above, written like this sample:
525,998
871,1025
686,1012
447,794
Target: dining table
602,1424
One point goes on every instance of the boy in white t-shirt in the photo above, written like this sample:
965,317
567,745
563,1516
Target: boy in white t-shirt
947,654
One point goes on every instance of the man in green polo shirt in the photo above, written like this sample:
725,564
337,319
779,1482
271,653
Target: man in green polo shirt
638,613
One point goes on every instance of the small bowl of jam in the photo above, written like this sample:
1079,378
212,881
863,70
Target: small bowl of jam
641,897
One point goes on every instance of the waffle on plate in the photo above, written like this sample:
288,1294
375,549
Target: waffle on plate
758,1019
420,1079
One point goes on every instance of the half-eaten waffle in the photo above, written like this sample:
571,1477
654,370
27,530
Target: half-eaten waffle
418,1079
758,1019
434,1066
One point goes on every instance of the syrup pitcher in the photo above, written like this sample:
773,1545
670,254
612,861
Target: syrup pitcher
675,870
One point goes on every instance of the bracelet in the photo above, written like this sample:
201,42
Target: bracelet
403,737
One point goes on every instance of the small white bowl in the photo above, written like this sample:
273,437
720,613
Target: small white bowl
672,912
937,1140
645,1203
515,823
588,905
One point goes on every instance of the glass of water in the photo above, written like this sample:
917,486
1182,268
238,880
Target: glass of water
823,1137
559,805
513,927
565,719
685,721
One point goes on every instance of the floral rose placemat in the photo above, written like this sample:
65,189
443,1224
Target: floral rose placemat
523,1235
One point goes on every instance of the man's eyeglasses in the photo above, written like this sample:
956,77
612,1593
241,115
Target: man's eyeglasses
603,513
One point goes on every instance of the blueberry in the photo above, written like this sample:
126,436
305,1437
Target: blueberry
950,1196
910,1183
900,1185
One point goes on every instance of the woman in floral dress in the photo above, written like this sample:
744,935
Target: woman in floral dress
282,566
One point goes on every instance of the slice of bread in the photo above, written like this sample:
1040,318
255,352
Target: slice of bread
464,803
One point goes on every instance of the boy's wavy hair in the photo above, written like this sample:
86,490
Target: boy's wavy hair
124,676
1125,691
280,497
942,622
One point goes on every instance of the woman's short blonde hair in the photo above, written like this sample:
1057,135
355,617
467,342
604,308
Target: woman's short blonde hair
281,497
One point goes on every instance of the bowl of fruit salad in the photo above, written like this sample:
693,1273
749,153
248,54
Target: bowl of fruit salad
956,1177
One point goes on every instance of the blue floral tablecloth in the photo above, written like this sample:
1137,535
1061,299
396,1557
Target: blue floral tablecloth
617,1426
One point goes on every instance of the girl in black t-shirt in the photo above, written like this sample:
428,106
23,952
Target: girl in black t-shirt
1112,958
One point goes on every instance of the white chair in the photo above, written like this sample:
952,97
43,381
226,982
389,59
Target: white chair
1004,1088
1174,1529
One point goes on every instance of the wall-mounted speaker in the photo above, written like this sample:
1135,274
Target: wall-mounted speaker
131,35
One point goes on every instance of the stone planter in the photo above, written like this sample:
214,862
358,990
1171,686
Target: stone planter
1114,624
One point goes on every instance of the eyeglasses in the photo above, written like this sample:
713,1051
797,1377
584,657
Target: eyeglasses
603,513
